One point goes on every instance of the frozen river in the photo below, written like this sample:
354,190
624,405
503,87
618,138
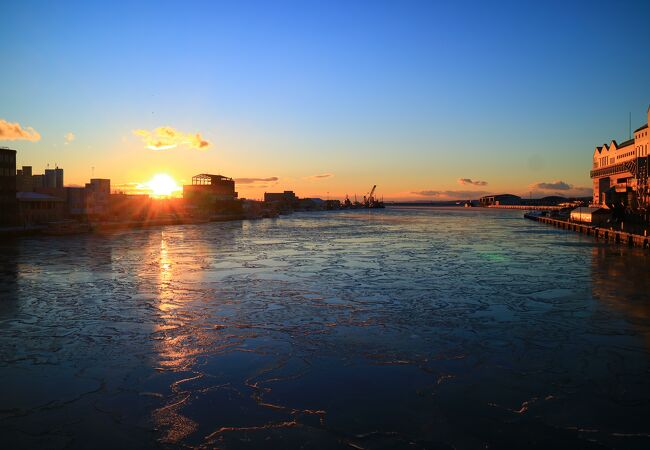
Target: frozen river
402,328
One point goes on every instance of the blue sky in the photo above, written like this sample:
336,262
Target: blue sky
408,95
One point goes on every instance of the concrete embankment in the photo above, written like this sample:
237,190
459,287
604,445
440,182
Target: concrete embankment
528,207
606,234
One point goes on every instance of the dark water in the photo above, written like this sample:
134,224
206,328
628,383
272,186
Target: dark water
403,328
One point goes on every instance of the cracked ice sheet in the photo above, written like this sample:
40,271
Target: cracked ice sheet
388,329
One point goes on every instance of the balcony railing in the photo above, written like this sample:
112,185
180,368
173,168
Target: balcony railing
608,171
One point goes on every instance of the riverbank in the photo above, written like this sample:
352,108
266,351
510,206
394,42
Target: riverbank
608,235
104,227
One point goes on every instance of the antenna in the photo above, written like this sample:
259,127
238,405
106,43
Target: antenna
630,126
92,172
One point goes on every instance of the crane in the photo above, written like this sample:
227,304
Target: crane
368,201
372,191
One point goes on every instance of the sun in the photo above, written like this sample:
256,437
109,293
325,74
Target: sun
162,185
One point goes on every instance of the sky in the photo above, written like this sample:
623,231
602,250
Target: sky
428,100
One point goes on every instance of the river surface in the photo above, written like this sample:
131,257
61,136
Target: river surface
402,328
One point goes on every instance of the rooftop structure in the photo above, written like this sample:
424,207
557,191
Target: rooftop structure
210,192
209,179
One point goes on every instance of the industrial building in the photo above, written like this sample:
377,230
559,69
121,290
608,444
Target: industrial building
215,187
211,193
620,171
287,197
592,216
8,202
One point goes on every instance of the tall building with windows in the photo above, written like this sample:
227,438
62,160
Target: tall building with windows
8,201
620,171
53,178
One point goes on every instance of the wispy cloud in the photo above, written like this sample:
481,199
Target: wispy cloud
320,176
552,186
69,137
14,132
450,195
255,180
561,188
465,181
163,138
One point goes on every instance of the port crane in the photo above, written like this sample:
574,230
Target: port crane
369,200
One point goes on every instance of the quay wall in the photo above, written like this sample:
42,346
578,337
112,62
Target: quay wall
528,207
605,234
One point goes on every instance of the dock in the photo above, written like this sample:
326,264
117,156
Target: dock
605,234
528,207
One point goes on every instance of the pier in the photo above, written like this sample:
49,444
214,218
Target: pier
529,207
608,235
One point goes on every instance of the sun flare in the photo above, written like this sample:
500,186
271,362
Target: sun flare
162,185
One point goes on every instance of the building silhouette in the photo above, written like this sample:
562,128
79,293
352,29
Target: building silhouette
26,181
8,202
53,178
211,193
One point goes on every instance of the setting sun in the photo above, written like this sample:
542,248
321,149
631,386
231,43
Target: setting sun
162,185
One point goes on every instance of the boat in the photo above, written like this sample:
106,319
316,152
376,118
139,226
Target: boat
534,215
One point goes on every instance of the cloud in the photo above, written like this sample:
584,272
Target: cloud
255,180
472,182
451,195
554,186
69,137
163,138
320,176
14,132
561,188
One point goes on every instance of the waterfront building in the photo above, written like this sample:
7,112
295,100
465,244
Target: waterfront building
502,199
288,197
211,187
8,203
594,216
211,193
76,200
97,194
620,171
37,209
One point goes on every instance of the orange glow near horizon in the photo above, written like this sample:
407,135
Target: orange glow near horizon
162,185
